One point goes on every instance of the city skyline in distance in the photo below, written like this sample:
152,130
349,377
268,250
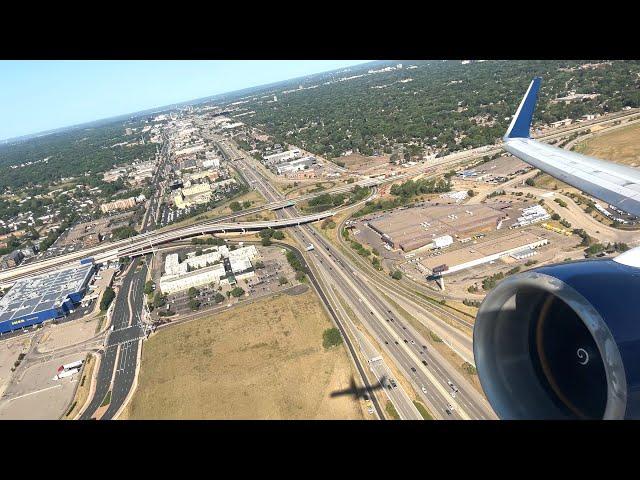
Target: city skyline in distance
42,97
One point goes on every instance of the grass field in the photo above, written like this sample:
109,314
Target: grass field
260,361
621,146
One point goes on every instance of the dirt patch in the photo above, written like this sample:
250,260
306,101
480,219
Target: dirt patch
9,352
66,334
260,361
297,290
360,163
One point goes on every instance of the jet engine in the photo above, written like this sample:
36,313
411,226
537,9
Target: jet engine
563,341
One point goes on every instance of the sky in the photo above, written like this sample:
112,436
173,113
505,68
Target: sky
36,96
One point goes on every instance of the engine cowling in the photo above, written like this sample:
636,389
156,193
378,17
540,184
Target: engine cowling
562,342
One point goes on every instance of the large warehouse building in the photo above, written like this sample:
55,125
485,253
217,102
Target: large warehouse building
37,299
413,228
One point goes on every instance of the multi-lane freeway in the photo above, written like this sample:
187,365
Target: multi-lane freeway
396,337
430,375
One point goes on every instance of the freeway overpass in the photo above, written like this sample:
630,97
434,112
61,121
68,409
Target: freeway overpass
146,242
140,246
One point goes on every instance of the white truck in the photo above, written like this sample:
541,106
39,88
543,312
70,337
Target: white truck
310,247
66,373
70,366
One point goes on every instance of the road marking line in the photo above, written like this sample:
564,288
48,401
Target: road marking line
37,391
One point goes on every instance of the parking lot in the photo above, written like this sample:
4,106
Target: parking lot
36,395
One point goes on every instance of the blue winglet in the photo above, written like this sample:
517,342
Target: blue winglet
521,122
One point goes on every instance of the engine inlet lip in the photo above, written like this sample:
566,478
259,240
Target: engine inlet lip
612,360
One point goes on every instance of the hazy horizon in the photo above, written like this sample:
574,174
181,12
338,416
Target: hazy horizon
40,96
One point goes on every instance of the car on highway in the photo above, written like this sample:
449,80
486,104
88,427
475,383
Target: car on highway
413,369
396,342
424,390
424,362
406,341
386,343
449,409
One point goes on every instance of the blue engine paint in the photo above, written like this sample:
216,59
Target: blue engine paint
522,123
613,290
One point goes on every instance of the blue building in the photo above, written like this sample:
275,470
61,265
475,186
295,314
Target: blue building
37,299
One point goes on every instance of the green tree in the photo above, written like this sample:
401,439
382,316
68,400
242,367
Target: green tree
107,297
331,337
193,292
237,292
396,275
159,300
149,287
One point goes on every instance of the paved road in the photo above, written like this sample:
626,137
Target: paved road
121,341
398,396
386,325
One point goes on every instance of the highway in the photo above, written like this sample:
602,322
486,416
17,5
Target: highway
9,276
424,368
386,325
120,344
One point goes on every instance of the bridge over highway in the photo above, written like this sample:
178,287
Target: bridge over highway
146,242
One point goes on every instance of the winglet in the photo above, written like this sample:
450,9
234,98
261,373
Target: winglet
521,122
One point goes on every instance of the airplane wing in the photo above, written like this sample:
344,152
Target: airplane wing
614,184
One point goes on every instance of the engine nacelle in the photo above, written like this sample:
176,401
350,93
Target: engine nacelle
562,342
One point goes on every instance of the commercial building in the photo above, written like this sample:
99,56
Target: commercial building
517,244
195,194
218,266
417,227
278,158
457,196
191,178
197,278
37,299
122,204
530,215
443,242
296,165
143,171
